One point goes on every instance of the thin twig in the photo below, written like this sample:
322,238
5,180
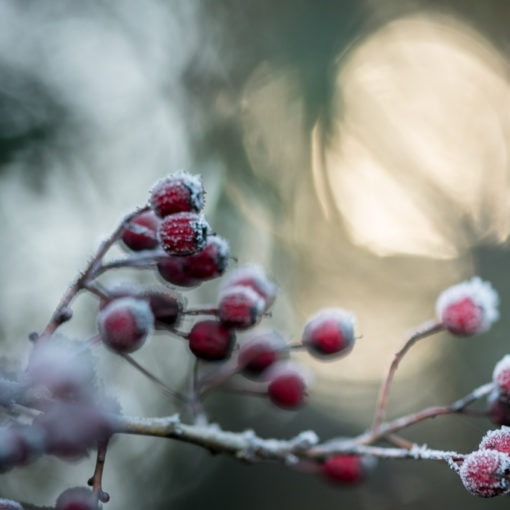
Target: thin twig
97,478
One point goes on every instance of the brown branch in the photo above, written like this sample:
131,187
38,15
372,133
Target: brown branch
97,478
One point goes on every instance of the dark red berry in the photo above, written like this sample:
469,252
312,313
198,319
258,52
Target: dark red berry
171,269
484,473
180,192
166,308
329,333
345,469
260,352
210,340
209,263
77,498
240,307
498,408
501,376
287,387
255,277
125,323
497,440
183,233
140,234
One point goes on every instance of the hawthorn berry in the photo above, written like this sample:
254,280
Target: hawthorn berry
179,192
240,307
165,307
498,408
468,308
260,352
287,386
8,504
346,469
171,269
497,440
209,263
140,234
76,498
183,233
253,276
125,323
501,376
210,340
329,333
484,473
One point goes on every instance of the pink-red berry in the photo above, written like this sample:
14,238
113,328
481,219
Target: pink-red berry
484,473
287,386
179,192
329,333
345,469
501,376
498,408
240,307
209,263
141,233
497,440
183,233
210,340
77,498
260,352
172,269
125,323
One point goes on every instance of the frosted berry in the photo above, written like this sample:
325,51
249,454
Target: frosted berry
209,263
260,352
329,333
346,469
8,504
125,323
498,409
171,269
468,308
497,440
179,192
77,498
287,386
484,473
140,234
183,233
255,277
166,308
501,376
210,340
240,307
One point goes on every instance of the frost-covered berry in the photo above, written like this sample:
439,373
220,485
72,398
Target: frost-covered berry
253,276
166,308
498,408
140,234
210,340
329,333
76,498
287,385
183,233
171,269
497,440
484,473
501,376
179,192
260,352
125,323
240,307
209,263
8,504
345,469
468,308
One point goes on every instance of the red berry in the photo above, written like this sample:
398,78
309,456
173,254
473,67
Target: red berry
8,504
255,277
210,340
125,323
172,270
484,473
183,233
180,192
463,317
140,234
166,308
498,409
240,307
77,498
346,469
287,386
260,352
329,333
210,262
501,376
497,440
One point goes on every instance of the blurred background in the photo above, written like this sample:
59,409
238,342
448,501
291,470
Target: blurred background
356,148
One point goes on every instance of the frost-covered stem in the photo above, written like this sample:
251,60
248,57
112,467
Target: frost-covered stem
403,422
141,260
427,329
62,311
97,478
201,311
169,391
249,447
225,372
195,405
